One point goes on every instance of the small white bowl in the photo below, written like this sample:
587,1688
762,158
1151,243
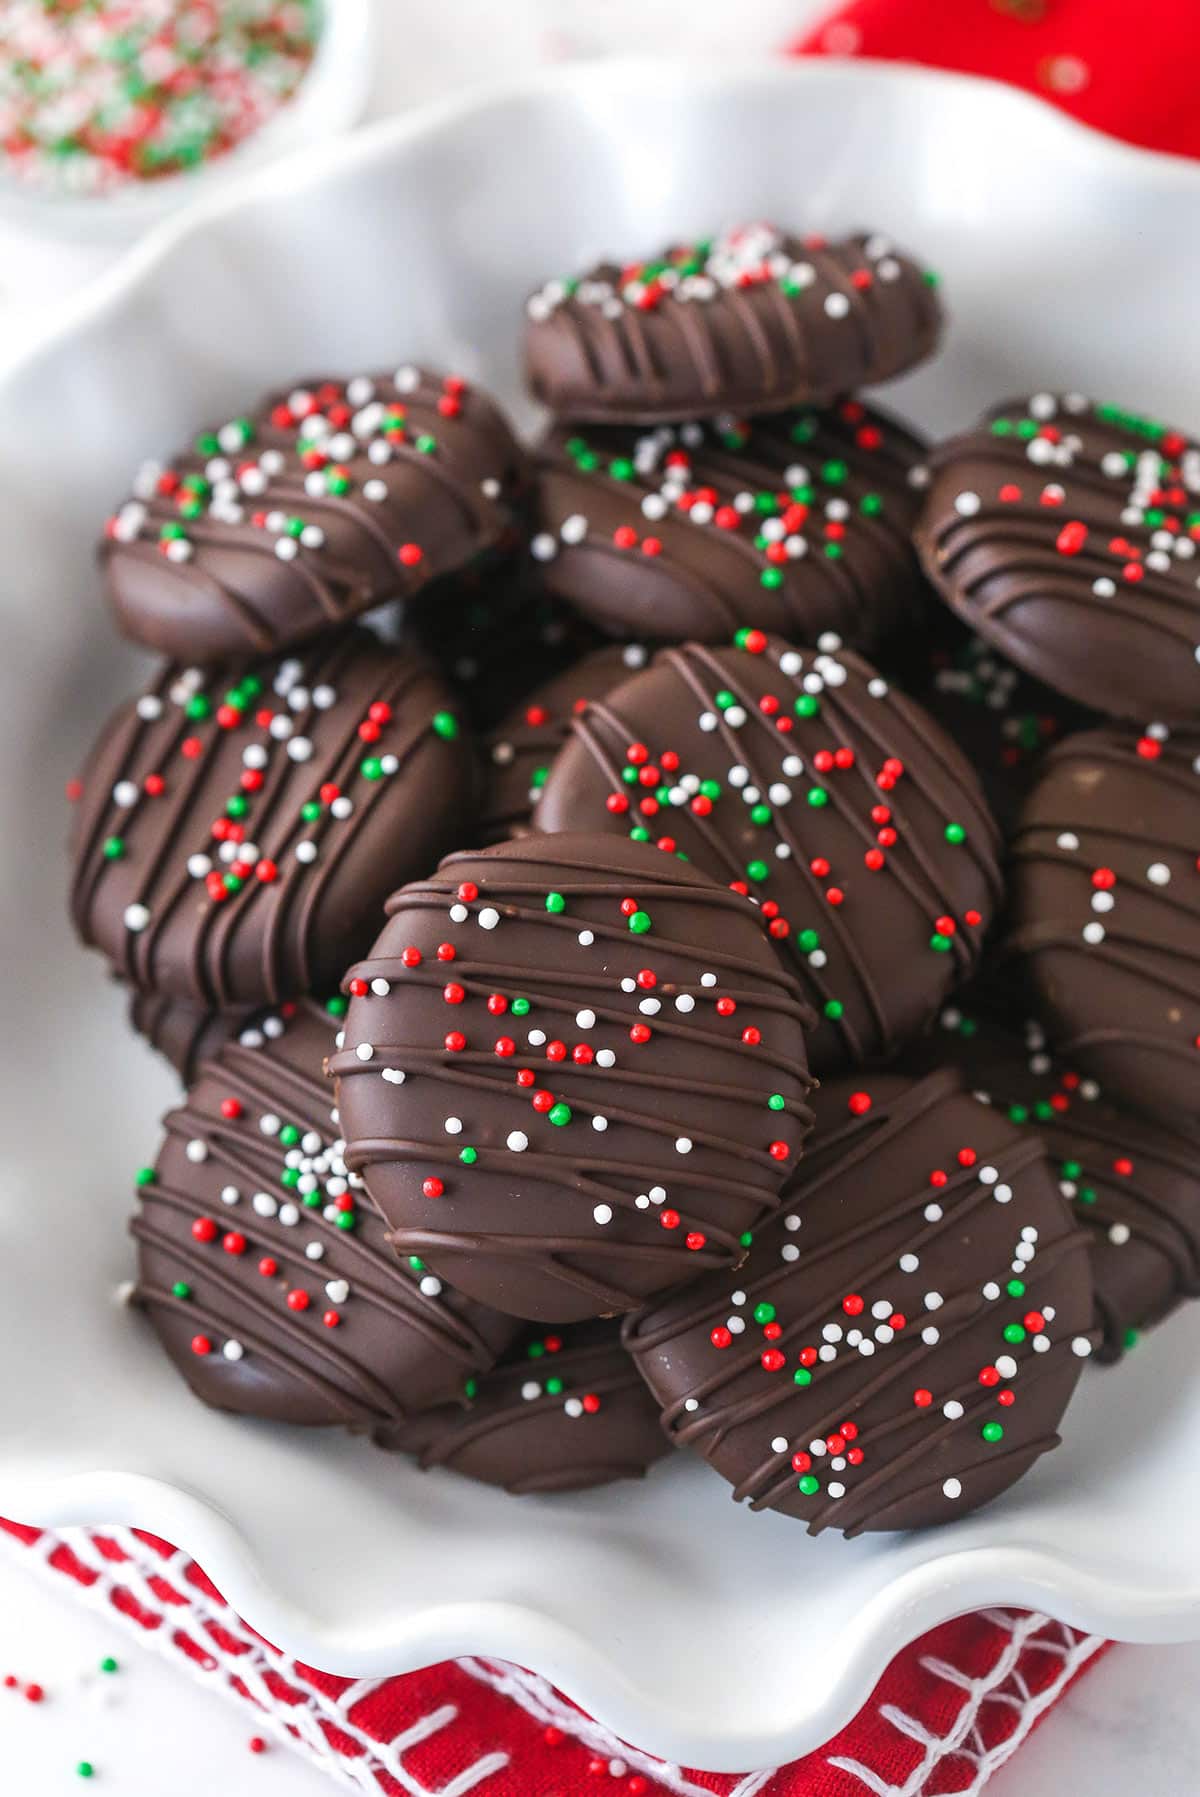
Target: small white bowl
49,242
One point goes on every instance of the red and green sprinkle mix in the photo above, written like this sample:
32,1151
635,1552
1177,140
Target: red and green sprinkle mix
96,95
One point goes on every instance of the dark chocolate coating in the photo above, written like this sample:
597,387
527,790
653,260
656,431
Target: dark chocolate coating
750,321
518,753
781,813
287,1312
184,1034
1134,1185
597,1136
923,1253
1002,719
152,867
563,1410
1106,914
496,634
331,498
1061,530
799,523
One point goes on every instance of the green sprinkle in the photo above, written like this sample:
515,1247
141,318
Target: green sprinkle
468,1156
311,1200
760,814
955,833
85,1769
1015,1288
834,473
834,1008
771,577
992,1432
181,1289
347,1219
871,505
555,902
757,870
1014,1333
1071,1169
640,922
559,1114
114,848
520,1007
807,705
723,700
337,1006
764,1313
639,834
290,1176
809,1486
745,1239
808,940
371,768
802,1376
711,789
817,797
426,444
416,1263
535,1350
776,1101
289,1135
622,468
939,942
237,805
197,707
144,1176
470,1388
310,812
1131,1338
108,1664
445,725
554,1387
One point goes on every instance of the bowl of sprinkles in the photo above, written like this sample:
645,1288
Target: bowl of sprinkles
115,112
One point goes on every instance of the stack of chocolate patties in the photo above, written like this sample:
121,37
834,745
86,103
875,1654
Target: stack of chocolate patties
507,1160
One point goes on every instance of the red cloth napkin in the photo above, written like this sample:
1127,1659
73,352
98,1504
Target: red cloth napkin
947,1713
1126,70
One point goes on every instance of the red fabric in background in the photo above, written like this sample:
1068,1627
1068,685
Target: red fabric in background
947,1712
1126,69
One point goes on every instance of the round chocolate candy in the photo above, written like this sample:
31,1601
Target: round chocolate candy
328,499
1134,1185
799,523
240,828
1063,531
262,1265
753,320
1106,913
804,777
904,1337
518,753
563,1410
572,1074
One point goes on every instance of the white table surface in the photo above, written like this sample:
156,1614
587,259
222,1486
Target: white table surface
150,1730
